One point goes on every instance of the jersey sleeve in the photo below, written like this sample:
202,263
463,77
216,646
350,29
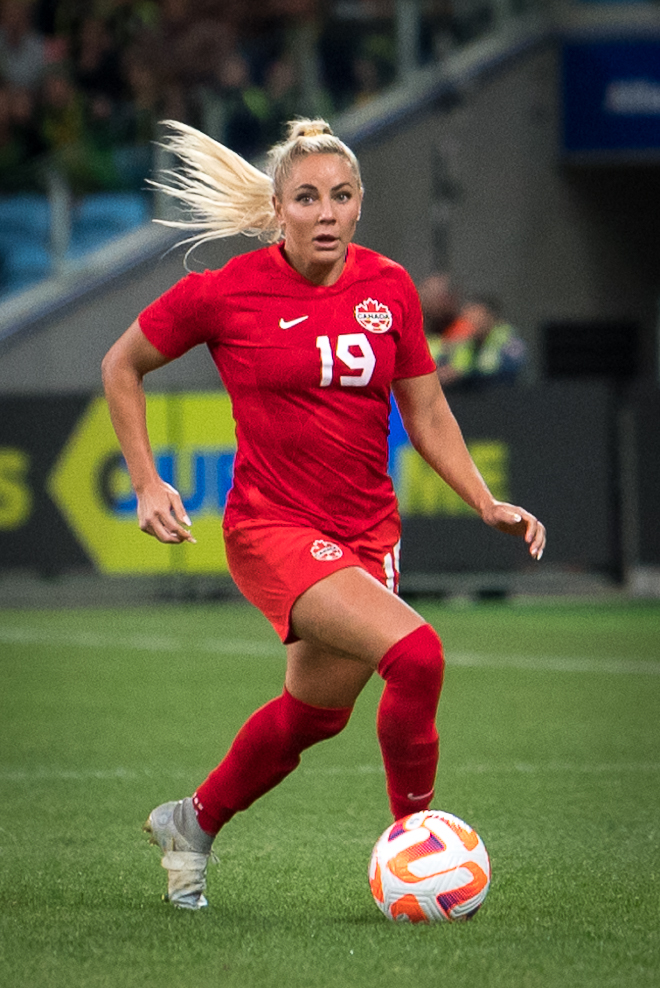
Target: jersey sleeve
413,357
179,319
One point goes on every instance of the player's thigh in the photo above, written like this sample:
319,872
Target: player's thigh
322,677
352,613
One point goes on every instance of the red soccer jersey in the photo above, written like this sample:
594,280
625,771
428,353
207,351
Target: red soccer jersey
308,369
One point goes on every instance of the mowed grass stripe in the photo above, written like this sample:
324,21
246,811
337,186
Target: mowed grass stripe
21,635
524,768
554,663
138,642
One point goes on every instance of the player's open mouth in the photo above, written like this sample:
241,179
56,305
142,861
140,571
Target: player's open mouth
325,240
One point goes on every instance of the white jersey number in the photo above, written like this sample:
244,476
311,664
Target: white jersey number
364,361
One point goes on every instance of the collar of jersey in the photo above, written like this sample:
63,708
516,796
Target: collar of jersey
278,257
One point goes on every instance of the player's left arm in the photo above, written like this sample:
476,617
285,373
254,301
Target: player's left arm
436,435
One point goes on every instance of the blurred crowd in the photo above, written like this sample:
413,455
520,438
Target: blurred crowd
83,83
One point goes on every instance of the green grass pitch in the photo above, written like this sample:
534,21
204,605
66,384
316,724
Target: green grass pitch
550,728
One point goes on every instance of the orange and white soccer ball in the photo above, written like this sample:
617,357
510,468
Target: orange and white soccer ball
429,867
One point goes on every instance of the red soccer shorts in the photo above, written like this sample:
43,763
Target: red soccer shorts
273,562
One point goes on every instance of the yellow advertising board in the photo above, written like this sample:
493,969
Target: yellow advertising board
193,440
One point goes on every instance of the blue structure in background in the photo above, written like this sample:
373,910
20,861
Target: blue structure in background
611,98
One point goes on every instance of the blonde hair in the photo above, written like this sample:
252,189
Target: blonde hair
224,193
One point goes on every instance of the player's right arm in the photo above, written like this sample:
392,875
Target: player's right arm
160,510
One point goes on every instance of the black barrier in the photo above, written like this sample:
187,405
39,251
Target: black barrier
33,532
65,502
556,460
646,407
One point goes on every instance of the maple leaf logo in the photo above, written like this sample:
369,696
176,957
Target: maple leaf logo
326,551
374,316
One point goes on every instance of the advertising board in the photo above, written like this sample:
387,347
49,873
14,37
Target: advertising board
66,502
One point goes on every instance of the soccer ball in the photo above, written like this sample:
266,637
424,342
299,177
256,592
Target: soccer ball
429,867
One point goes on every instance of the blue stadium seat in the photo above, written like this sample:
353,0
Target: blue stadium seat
25,213
111,212
25,231
23,263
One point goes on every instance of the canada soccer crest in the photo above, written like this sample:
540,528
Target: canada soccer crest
373,315
326,552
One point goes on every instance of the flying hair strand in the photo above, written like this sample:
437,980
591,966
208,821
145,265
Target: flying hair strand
224,193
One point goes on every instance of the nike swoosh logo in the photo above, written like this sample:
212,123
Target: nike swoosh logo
288,323
426,795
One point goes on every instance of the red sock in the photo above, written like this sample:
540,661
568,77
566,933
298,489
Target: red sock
266,749
412,670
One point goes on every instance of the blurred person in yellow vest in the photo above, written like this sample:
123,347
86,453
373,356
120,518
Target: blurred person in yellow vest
491,354
440,298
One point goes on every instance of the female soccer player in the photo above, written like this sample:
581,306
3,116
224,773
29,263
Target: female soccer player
310,335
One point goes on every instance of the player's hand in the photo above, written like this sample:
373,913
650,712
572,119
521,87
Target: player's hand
161,513
516,521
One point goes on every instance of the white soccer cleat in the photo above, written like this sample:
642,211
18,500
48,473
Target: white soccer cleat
185,860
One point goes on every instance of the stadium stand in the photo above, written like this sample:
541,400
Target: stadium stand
82,87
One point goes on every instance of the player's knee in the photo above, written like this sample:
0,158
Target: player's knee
417,658
425,661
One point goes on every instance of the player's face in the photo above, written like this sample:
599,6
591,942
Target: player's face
318,211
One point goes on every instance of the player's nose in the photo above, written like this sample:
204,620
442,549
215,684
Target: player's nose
327,210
